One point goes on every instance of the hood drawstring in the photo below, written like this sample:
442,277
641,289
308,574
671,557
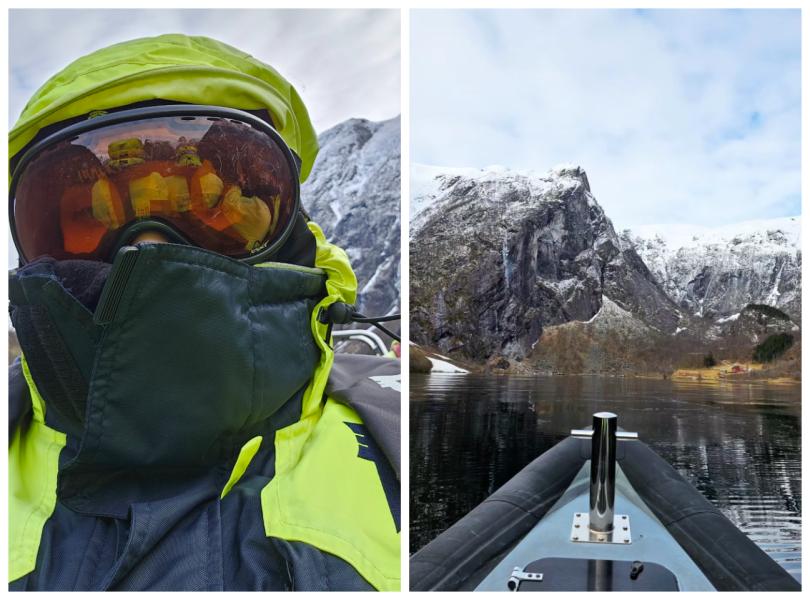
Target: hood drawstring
340,313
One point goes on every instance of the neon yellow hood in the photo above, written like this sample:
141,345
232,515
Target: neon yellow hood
180,68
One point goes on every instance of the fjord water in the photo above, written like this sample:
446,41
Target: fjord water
738,443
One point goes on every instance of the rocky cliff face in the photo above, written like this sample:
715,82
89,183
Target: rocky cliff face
715,272
354,195
751,326
497,256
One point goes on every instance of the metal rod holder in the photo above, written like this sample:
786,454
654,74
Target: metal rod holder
602,525
603,472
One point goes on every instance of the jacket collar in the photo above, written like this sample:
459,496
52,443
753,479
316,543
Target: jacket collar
186,356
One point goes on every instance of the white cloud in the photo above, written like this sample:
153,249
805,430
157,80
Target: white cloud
678,116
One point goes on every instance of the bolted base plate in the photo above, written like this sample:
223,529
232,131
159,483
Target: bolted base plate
581,532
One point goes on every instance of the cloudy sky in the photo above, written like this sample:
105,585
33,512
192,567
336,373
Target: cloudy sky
344,63
677,116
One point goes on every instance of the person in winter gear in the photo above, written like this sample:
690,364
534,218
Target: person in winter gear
178,419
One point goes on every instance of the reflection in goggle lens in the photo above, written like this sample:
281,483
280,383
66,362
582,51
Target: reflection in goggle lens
219,183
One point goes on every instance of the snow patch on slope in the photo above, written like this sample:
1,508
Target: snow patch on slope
441,366
612,317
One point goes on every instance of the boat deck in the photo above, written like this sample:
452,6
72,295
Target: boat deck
551,537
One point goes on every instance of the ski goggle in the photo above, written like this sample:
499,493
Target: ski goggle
216,178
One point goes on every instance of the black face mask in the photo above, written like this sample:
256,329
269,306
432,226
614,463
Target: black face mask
170,366
299,249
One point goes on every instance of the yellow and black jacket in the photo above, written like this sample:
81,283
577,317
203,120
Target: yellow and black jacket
182,432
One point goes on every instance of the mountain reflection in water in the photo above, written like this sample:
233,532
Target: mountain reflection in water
739,444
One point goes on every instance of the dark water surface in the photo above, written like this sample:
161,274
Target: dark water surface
739,444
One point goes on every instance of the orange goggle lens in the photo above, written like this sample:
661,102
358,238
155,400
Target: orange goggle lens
221,183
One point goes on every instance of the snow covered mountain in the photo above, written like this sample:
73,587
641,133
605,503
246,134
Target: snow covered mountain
353,193
496,256
527,265
715,272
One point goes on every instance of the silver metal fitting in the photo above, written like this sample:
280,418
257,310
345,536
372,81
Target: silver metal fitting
582,532
519,576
